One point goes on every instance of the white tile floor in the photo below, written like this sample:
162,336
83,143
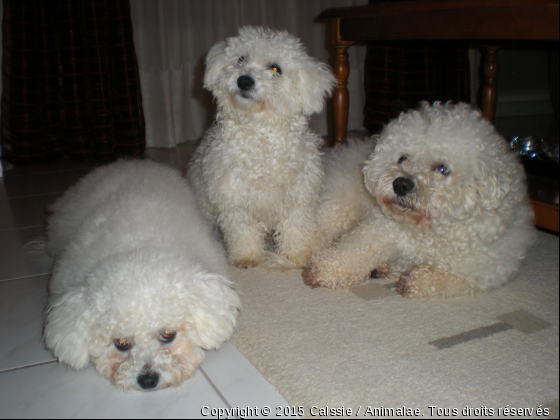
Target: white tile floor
32,383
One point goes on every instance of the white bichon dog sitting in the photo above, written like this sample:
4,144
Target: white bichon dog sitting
258,170
443,206
138,285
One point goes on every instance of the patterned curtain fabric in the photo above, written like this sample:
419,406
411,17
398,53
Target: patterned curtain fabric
70,81
399,75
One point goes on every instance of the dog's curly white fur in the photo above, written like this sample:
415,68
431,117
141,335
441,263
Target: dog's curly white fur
138,285
258,170
443,205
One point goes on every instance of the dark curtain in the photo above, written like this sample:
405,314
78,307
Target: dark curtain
399,75
70,81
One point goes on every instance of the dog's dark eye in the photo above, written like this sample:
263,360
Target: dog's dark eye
122,345
402,159
276,68
241,60
442,169
167,336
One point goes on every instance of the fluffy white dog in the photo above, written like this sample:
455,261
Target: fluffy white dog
138,285
258,170
443,205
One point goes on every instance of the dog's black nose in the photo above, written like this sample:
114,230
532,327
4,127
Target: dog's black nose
403,186
148,380
245,82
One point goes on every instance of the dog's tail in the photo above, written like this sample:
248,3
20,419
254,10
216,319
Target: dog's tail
274,261
36,247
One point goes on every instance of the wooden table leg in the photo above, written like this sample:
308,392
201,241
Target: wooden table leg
489,95
341,70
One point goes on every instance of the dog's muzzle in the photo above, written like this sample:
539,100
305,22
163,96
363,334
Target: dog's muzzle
403,186
245,83
148,380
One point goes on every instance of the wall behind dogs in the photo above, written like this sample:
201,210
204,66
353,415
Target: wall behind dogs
172,38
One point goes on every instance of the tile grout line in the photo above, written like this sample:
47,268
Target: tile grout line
29,174
88,168
25,277
7,198
220,394
56,172
51,171
7,231
20,228
28,366
24,227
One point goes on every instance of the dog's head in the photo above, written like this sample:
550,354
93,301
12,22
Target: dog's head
144,320
443,163
266,74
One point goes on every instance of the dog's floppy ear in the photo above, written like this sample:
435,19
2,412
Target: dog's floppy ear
314,82
215,306
215,62
492,183
66,329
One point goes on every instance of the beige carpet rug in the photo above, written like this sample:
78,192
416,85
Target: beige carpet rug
369,349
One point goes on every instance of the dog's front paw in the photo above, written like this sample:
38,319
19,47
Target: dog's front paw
246,261
298,259
325,270
419,282
311,277
424,282
319,272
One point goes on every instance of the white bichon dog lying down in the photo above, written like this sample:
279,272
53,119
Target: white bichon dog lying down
444,207
258,170
138,285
